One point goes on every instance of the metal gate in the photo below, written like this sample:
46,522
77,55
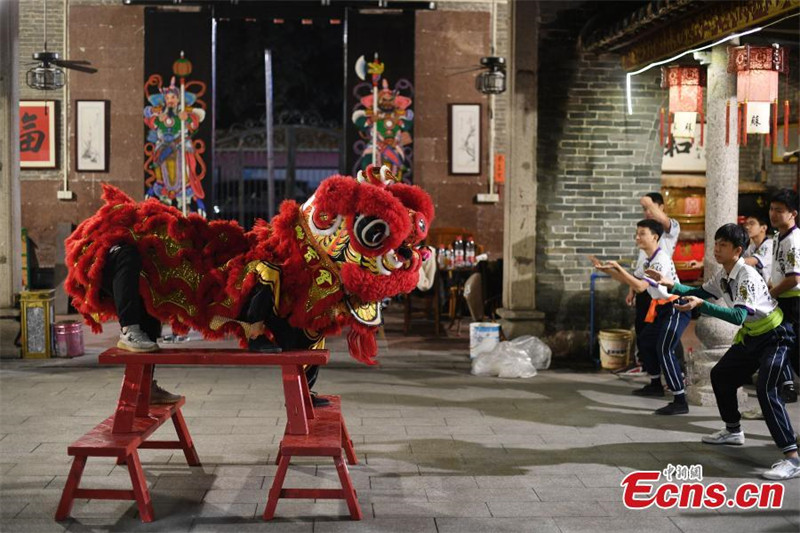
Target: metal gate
306,151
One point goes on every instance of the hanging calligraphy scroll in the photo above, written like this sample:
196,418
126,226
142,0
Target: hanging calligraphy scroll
37,134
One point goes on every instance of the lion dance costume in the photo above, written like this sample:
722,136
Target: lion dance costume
325,265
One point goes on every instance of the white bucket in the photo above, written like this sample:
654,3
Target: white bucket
483,337
615,348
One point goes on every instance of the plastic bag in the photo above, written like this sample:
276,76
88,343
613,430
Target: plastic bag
539,352
505,361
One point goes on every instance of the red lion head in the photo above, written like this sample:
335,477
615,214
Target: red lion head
372,227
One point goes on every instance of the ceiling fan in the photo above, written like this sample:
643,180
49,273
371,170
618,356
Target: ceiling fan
47,74
493,78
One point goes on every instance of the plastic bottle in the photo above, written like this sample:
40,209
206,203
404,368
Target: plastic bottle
458,250
441,257
469,252
449,255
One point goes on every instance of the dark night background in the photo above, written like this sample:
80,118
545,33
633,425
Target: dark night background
307,65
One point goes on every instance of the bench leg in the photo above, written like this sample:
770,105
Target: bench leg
186,440
140,487
277,486
278,457
347,488
73,480
128,398
347,444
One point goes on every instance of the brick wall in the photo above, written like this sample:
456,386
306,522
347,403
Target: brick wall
456,35
111,38
595,161
31,40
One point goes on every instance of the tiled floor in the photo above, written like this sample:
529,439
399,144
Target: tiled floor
440,450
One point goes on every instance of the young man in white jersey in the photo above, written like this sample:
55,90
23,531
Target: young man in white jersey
663,323
761,344
653,209
785,280
758,253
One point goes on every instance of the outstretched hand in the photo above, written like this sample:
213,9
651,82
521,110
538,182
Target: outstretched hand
608,266
687,303
659,278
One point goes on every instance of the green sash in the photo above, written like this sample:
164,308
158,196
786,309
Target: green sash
760,326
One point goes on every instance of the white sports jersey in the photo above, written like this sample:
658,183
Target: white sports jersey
661,262
667,242
743,287
786,257
762,254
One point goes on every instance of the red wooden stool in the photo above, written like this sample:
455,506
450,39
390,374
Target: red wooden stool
103,442
333,411
327,437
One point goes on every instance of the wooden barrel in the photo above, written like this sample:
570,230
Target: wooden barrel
687,205
686,251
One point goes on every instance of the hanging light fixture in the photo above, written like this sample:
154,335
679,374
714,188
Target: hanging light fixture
45,76
48,75
685,85
757,69
492,80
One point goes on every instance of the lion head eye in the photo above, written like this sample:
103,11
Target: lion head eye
371,232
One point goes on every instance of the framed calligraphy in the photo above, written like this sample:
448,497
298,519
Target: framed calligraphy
683,156
464,136
37,134
91,135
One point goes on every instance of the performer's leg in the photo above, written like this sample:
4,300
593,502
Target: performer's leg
260,308
731,372
671,324
774,357
642,303
791,315
312,373
648,355
121,280
139,330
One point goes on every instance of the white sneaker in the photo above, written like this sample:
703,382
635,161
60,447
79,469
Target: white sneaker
753,414
785,469
134,339
724,436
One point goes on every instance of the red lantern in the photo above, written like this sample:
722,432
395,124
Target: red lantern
757,69
182,67
685,100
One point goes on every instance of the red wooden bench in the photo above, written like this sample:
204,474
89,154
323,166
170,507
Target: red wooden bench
309,431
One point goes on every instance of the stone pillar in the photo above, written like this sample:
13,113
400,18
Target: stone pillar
519,315
10,225
722,203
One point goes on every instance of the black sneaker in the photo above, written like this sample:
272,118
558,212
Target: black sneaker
316,401
673,408
161,396
789,393
262,344
649,390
